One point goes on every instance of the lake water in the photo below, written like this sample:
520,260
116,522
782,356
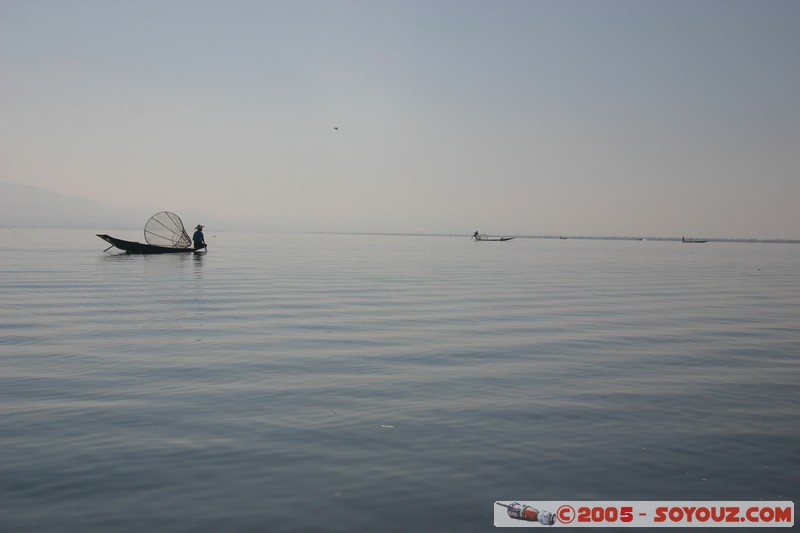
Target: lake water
388,383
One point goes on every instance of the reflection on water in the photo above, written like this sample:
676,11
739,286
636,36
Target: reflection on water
352,383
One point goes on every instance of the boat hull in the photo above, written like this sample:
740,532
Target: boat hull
139,248
483,238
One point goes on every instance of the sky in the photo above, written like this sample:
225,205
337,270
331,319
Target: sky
529,117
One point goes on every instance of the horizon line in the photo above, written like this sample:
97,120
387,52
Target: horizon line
237,228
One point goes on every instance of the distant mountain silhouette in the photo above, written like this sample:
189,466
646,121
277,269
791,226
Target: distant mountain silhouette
31,207
24,206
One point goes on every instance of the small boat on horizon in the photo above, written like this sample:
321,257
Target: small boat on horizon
483,237
693,241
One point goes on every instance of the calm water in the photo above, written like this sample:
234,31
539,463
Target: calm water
368,383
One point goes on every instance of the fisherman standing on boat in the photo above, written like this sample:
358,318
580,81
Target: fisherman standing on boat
198,238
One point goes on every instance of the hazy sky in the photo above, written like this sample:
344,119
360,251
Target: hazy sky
593,117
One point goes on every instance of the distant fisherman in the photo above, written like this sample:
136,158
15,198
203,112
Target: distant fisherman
198,238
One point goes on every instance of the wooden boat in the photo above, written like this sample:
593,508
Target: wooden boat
164,233
139,248
484,237
693,241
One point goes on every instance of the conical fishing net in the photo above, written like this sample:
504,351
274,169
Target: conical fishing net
166,229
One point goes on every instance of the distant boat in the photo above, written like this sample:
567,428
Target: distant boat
693,241
563,238
164,233
483,237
